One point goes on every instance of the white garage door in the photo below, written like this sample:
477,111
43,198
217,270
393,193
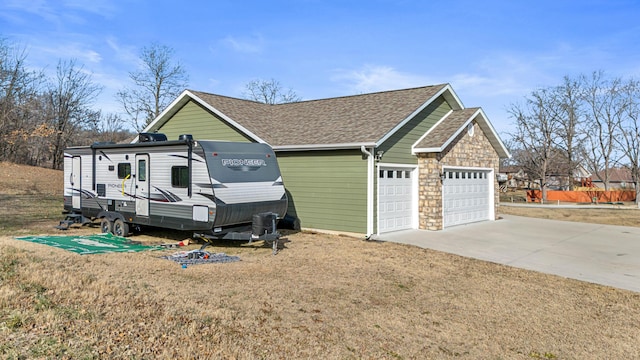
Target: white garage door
395,202
466,196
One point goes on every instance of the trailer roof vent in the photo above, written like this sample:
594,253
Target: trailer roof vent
150,137
185,137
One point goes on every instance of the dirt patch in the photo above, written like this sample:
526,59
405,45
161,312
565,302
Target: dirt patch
322,296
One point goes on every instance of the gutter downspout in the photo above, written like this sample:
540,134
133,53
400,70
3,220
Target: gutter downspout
370,188
190,166
365,152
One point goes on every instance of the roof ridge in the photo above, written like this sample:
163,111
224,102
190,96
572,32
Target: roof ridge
324,99
225,96
372,93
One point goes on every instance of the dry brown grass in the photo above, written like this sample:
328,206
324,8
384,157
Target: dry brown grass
322,296
612,216
30,198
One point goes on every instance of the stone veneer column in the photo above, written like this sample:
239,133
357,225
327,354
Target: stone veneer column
465,151
430,192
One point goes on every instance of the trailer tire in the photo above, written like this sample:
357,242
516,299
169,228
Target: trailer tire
120,228
106,226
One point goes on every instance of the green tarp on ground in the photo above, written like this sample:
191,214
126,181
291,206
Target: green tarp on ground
89,244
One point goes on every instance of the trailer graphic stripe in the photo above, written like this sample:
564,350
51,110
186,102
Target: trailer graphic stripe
193,158
168,196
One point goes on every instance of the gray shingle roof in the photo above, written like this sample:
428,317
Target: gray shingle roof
343,120
446,129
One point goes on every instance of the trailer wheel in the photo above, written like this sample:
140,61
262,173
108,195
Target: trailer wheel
106,226
120,228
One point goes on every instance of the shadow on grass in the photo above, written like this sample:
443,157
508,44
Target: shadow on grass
180,235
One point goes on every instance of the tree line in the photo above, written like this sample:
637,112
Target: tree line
42,115
589,121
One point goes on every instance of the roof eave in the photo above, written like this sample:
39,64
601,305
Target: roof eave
426,150
311,147
495,140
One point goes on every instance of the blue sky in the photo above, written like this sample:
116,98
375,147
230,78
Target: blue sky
493,53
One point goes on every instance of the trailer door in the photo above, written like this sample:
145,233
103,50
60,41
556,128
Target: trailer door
142,184
76,182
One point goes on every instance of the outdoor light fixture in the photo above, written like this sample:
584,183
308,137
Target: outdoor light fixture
379,155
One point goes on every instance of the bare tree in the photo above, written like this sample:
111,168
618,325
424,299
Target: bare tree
605,108
269,92
19,103
69,101
109,127
629,139
537,133
567,110
158,82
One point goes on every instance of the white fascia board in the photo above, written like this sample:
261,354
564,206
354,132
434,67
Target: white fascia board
452,97
445,90
486,125
228,119
322,146
450,167
425,150
182,99
396,165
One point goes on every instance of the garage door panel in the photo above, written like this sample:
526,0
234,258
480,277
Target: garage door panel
465,196
396,199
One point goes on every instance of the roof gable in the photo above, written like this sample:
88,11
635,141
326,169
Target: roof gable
451,125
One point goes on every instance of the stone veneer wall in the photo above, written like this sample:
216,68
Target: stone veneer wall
464,151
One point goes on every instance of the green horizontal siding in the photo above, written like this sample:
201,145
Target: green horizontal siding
327,189
201,123
397,148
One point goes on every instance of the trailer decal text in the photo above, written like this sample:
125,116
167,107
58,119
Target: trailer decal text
238,163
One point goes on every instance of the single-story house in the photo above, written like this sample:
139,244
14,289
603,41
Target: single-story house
364,164
619,178
513,177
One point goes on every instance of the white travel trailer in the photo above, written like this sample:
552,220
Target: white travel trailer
221,190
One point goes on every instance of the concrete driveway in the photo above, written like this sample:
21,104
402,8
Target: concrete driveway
601,254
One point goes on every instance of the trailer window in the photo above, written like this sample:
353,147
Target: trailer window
142,170
124,170
180,176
